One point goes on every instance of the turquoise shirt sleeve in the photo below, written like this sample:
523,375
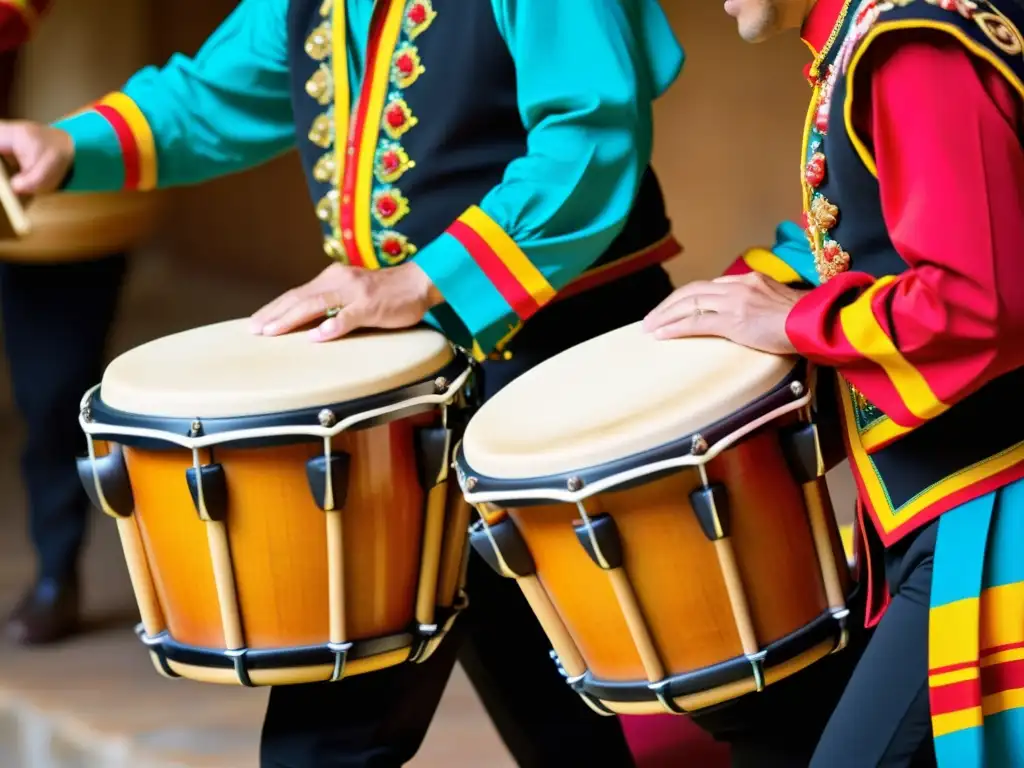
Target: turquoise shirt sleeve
225,109
588,72
792,247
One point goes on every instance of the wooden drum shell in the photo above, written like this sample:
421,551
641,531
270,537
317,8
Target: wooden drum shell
676,576
279,551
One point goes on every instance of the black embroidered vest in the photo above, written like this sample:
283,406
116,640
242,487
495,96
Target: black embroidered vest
910,476
436,122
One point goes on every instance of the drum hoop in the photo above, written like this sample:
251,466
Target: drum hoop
692,450
100,421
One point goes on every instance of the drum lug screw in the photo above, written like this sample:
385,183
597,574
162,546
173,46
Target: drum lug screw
87,414
698,446
574,484
440,383
797,388
471,483
326,417
196,428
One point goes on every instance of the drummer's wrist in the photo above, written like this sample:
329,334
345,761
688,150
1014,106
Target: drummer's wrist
424,285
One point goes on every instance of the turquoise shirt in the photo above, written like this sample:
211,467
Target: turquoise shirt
585,99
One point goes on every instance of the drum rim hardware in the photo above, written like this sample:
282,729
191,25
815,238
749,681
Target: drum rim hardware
100,421
692,450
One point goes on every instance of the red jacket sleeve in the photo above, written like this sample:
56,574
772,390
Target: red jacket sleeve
944,130
17,21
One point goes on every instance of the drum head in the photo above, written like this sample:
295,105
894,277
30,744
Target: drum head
617,395
223,370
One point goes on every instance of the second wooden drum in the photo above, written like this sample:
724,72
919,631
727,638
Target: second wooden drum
663,507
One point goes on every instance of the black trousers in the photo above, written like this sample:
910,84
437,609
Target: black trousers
883,718
56,319
781,726
380,719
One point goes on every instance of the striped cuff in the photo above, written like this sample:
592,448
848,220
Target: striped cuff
18,20
890,382
114,147
767,263
485,278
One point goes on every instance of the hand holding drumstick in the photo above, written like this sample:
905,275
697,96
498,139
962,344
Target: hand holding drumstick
43,155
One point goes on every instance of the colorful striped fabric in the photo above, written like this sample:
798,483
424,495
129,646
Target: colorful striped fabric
976,633
519,282
135,137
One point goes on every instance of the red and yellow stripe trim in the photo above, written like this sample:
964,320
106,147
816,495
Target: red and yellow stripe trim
866,335
366,125
958,488
138,148
515,277
767,263
966,684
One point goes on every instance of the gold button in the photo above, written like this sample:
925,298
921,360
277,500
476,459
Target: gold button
333,248
346,199
319,86
324,170
318,44
347,234
321,132
327,208
350,151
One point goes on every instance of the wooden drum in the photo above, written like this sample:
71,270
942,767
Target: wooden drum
663,506
283,505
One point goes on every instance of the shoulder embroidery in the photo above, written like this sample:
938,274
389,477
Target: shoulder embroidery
1000,31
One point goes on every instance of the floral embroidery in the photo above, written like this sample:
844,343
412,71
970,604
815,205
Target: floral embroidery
393,247
391,162
406,66
814,172
389,206
421,14
398,118
965,8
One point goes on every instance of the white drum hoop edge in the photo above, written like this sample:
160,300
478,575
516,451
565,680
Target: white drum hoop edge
91,428
612,481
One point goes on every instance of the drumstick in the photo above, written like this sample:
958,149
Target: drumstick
553,626
16,222
637,625
817,500
433,532
737,596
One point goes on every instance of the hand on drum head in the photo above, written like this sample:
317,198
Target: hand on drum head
43,155
748,309
346,298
